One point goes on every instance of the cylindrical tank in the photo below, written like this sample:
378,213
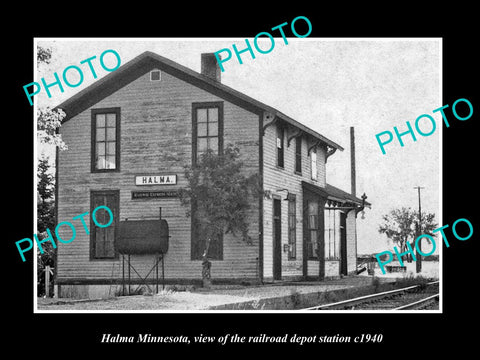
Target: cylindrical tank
142,237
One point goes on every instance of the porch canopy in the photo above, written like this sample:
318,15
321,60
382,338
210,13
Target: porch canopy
337,198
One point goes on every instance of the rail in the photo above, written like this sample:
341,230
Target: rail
418,303
367,298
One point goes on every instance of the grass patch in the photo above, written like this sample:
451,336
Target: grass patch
295,297
411,280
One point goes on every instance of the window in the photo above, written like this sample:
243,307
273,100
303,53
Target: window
102,240
312,228
292,227
207,128
155,75
280,136
298,155
313,162
332,235
105,140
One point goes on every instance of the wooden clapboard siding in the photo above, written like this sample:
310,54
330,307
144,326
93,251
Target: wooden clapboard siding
156,127
312,268
285,178
332,268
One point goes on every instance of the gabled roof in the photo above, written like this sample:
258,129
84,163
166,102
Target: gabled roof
148,61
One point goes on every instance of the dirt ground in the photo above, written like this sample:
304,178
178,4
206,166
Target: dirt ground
164,300
200,299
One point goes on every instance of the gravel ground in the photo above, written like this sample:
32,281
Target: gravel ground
199,299
164,300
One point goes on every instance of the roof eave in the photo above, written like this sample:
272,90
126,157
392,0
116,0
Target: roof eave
148,60
309,131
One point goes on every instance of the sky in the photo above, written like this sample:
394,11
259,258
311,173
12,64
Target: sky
327,84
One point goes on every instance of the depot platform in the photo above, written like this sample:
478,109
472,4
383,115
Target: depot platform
273,296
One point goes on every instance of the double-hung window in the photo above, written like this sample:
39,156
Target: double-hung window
313,163
280,146
298,155
207,128
105,140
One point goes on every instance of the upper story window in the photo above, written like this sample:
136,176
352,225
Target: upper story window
280,146
105,139
207,128
313,162
298,155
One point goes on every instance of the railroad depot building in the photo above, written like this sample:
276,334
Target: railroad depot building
129,136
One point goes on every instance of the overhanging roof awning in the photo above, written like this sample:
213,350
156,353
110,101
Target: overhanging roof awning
333,193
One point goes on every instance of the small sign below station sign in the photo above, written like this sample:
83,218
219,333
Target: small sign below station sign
154,194
156,180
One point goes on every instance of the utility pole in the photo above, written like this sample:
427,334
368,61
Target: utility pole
419,230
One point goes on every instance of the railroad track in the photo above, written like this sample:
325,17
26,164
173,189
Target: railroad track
416,297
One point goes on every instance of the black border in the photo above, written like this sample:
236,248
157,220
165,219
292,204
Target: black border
432,333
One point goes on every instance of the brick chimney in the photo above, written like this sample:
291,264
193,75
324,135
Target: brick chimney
210,67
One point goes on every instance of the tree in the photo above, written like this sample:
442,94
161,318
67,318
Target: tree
45,194
49,120
400,225
44,55
218,195
45,220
